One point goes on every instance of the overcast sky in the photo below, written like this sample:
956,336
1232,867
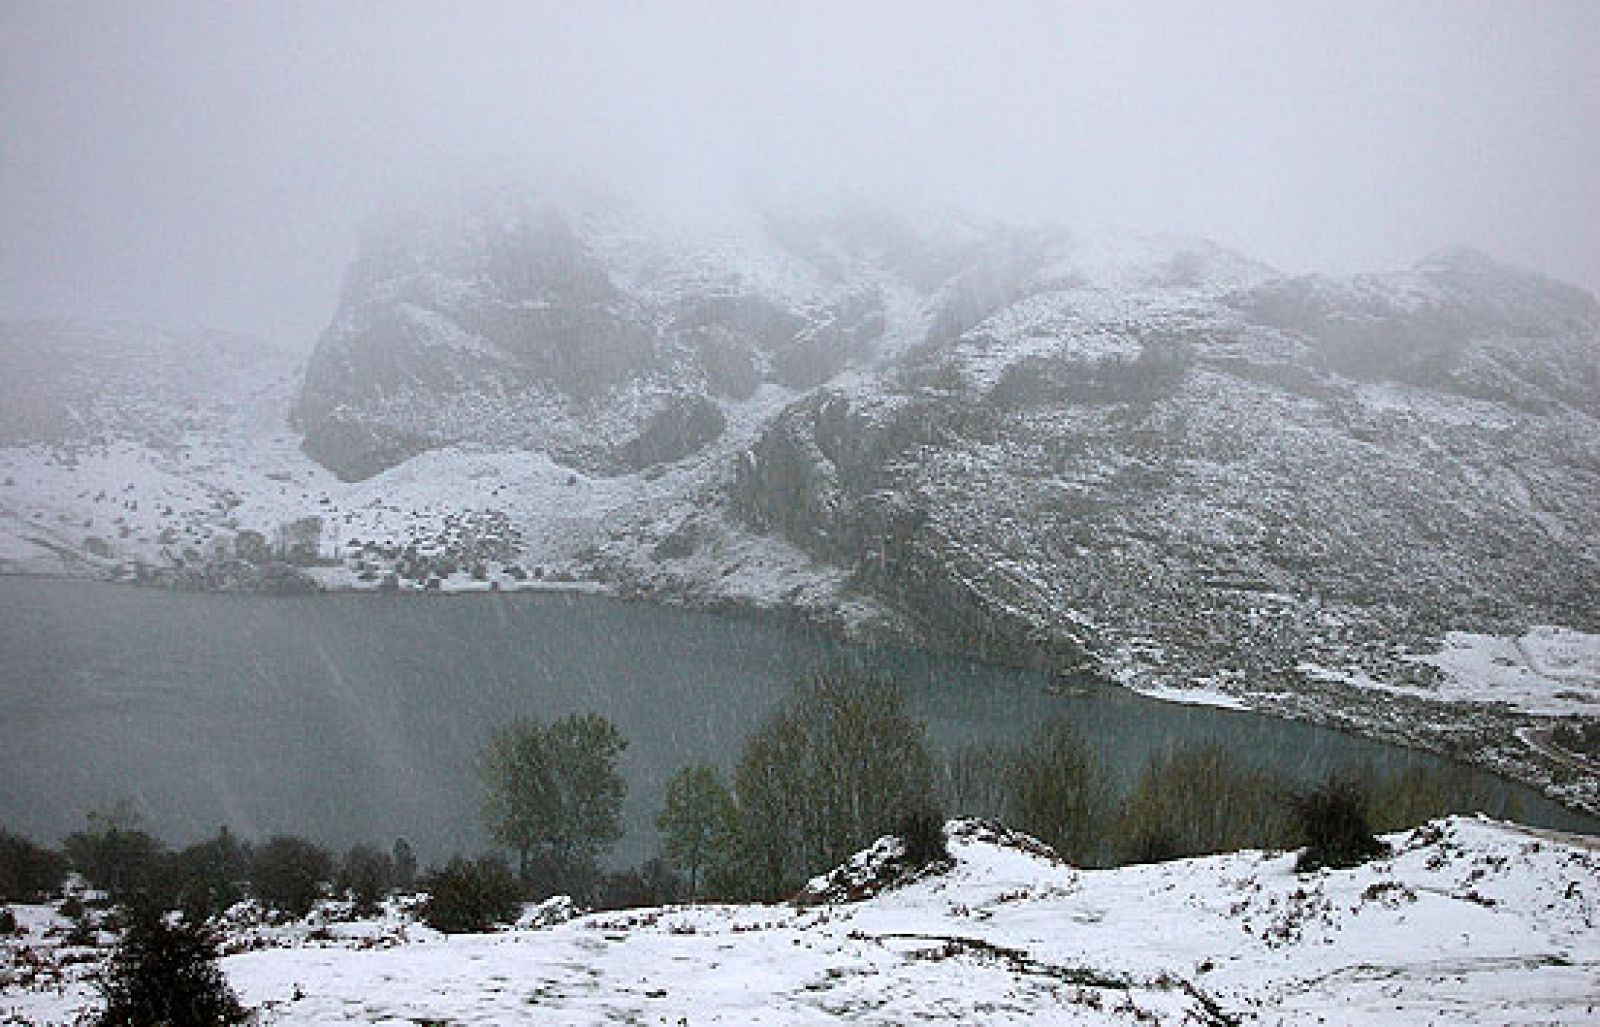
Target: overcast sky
210,163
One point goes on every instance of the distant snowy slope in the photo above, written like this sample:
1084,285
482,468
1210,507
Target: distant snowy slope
69,382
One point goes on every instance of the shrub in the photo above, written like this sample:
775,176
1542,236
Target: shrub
922,831
1578,736
547,874
85,929
208,877
1418,794
115,856
1333,823
1153,845
287,874
166,973
8,920
470,896
652,884
367,875
28,872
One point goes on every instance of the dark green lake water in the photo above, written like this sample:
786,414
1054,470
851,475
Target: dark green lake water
357,717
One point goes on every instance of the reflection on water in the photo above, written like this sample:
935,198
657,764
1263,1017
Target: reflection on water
357,717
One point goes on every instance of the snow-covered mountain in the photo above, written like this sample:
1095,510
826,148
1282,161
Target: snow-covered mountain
610,340
1147,457
1468,922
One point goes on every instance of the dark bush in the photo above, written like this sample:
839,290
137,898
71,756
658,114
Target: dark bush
470,896
114,855
287,874
922,831
405,866
548,875
367,875
85,930
652,884
208,877
1333,824
8,920
28,872
166,973
1578,736
1156,845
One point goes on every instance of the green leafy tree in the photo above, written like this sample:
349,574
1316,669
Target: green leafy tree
696,823
553,794
519,789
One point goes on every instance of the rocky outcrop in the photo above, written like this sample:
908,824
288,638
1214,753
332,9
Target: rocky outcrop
1216,482
606,340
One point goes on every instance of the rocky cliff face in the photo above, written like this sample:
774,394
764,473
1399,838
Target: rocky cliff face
1197,476
611,340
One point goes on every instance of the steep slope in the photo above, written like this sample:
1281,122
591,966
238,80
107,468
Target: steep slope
1281,489
609,338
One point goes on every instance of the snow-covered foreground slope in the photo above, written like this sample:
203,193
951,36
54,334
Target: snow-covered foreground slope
1469,922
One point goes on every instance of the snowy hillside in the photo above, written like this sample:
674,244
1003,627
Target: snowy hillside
1468,922
1147,458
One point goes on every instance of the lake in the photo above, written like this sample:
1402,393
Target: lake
357,717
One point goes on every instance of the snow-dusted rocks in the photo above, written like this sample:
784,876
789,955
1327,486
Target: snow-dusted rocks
1469,922
611,339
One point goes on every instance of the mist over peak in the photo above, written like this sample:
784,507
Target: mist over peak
176,162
